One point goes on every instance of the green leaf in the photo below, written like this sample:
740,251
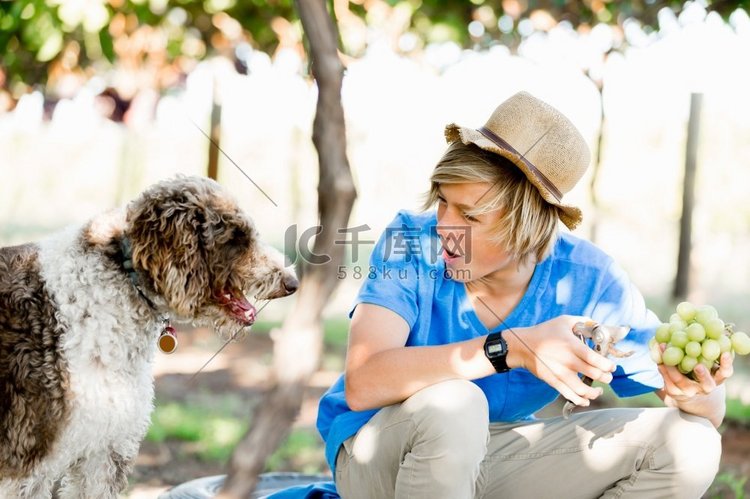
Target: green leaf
108,49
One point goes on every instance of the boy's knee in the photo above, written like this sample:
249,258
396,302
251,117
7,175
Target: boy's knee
694,446
454,411
450,399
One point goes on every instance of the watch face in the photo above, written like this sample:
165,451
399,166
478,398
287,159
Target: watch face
495,348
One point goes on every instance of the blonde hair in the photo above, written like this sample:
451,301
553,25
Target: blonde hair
527,226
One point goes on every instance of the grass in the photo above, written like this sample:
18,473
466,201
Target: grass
737,411
302,451
214,433
727,485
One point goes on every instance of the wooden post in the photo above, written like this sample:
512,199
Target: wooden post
215,132
595,170
682,279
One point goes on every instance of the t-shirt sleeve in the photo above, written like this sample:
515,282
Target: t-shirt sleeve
620,303
391,279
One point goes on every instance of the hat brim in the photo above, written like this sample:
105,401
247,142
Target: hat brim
571,216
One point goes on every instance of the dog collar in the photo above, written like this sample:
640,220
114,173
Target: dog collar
167,341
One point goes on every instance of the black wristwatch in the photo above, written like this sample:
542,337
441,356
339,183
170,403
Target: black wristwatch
496,350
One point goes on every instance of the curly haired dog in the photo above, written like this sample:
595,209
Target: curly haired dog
80,314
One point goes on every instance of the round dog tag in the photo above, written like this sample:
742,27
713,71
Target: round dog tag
168,340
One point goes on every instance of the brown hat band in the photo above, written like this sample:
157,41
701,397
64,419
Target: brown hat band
533,169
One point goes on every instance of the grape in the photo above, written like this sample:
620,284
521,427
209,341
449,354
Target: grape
706,313
677,325
696,335
687,311
714,328
741,343
687,364
663,333
696,332
725,343
679,339
672,356
693,349
711,349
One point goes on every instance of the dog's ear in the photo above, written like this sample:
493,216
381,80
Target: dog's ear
231,241
166,229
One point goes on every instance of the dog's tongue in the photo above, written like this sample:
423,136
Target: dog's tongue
239,308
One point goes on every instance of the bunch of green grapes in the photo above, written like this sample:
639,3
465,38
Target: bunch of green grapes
696,335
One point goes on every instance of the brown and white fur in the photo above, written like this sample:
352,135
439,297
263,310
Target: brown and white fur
78,338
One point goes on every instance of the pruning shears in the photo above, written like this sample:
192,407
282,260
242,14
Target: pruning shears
604,338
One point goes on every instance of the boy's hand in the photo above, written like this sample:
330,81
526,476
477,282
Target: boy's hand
681,388
555,355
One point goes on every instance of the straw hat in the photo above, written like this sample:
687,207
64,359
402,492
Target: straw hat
540,141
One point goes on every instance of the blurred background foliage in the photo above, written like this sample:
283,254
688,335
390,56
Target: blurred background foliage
60,43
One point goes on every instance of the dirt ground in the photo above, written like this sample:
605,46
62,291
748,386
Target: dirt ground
241,371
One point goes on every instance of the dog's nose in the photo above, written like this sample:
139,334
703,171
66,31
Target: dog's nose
290,284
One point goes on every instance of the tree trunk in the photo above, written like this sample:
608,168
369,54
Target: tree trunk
682,283
298,344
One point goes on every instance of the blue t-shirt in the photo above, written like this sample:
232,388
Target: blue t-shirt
407,275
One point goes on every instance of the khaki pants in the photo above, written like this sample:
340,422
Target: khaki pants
439,444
